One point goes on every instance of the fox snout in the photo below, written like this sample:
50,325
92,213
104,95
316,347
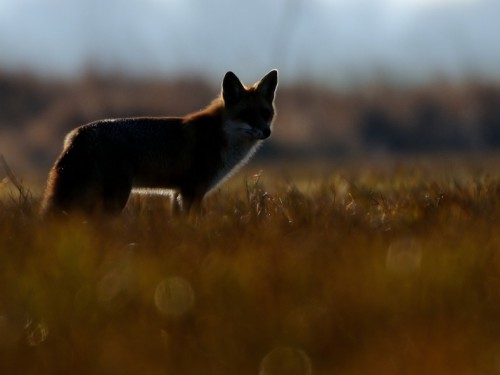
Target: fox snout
265,133
257,121
258,133
262,133
248,130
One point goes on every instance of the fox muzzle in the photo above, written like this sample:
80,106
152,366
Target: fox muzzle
265,133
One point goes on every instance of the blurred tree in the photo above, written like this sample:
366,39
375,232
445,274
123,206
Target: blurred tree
379,131
489,116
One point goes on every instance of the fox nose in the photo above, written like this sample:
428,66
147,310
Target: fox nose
266,133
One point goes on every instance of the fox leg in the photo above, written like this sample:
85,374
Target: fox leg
191,201
85,188
72,186
176,204
115,195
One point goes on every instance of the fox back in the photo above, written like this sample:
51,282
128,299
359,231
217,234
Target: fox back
103,161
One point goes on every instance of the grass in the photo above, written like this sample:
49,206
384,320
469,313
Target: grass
379,269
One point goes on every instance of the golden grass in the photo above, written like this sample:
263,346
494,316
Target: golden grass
369,270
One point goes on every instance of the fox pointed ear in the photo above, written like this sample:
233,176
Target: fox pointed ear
232,88
267,85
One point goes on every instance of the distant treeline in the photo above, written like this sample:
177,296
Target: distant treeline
35,113
466,118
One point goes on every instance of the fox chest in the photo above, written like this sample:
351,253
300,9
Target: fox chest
233,158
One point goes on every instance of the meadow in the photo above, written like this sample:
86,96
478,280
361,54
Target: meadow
364,267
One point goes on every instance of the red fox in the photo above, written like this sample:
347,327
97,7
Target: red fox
103,161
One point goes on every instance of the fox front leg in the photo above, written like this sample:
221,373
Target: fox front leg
186,203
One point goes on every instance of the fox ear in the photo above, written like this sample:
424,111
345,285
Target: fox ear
267,85
232,89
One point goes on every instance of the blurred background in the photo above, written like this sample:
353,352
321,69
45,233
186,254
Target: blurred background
357,77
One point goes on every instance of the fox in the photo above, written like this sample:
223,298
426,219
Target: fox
103,162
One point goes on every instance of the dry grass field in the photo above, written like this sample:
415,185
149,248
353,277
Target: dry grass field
365,268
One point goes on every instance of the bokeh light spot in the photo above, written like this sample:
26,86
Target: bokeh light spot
174,296
286,361
36,332
404,257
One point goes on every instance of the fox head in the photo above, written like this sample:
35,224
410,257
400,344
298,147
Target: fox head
249,111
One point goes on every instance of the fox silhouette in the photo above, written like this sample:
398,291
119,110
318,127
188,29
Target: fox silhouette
103,161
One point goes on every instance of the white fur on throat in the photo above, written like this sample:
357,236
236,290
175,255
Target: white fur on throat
241,145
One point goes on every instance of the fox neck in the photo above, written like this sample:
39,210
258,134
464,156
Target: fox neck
236,148
239,149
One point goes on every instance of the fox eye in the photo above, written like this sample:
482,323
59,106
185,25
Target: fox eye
246,114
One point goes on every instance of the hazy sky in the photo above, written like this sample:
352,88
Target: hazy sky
339,41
